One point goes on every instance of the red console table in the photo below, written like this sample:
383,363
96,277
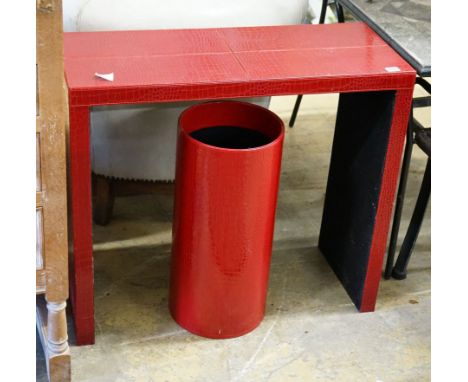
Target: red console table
376,87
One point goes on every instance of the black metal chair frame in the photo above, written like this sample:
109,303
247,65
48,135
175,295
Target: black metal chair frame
414,135
323,12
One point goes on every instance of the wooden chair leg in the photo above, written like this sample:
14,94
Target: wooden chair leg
104,200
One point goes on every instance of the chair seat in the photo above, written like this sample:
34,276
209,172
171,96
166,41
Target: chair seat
138,142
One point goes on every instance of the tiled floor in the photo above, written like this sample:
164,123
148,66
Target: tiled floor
311,332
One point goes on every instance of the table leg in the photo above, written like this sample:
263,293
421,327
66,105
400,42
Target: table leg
81,259
366,154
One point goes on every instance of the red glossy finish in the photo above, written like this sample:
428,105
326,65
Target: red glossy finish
81,263
224,214
191,64
201,64
387,196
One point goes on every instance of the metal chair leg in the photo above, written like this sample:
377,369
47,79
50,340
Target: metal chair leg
400,198
323,13
295,110
399,271
339,12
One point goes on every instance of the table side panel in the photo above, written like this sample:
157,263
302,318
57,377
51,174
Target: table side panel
354,182
386,199
173,93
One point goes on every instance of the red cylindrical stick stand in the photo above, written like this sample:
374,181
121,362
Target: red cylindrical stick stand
228,168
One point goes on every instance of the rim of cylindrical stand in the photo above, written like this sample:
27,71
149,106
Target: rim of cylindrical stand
194,108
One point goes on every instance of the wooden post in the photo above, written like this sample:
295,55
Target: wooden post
51,190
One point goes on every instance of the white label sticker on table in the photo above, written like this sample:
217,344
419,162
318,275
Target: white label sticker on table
105,76
392,69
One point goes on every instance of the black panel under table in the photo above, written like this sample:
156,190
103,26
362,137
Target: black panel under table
354,183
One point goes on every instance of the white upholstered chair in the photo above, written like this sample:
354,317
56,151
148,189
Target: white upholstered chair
138,142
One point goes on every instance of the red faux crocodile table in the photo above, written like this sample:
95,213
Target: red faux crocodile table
375,86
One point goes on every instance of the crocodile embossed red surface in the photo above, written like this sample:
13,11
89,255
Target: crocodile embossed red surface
151,66
175,65
224,216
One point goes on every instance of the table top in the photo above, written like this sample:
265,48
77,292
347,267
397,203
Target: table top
403,24
191,64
